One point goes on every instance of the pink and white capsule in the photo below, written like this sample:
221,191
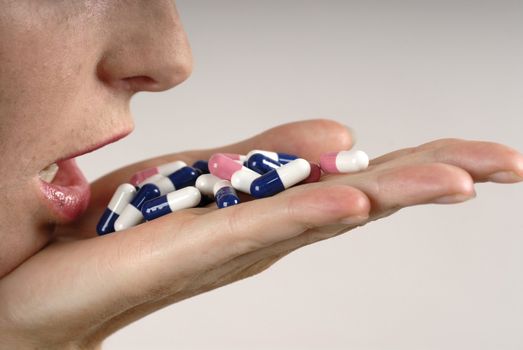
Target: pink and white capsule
164,169
205,184
220,165
240,158
344,162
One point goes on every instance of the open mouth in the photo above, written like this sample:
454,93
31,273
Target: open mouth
65,189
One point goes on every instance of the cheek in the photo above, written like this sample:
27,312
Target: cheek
49,90
43,75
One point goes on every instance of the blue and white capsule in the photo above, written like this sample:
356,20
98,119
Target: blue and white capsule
183,177
225,195
132,214
187,197
203,165
282,158
261,163
205,183
150,180
278,180
123,196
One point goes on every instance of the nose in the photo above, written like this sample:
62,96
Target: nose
146,47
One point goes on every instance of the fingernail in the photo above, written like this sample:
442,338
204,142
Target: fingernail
354,220
455,198
505,177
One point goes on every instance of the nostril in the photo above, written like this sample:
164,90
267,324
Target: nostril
141,83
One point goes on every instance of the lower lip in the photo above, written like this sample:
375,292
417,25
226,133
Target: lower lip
68,196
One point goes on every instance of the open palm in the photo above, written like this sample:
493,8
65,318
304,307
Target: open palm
81,288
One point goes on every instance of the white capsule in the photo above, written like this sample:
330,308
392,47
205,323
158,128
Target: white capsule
187,197
242,179
294,172
279,179
124,195
220,184
344,161
130,217
205,184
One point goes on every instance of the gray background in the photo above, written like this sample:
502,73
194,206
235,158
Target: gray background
400,73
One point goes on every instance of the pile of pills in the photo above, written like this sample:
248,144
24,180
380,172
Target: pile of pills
154,192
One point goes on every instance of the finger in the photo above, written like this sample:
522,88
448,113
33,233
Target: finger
408,151
102,277
484,161
395,188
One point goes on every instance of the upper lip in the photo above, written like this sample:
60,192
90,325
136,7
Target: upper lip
95,146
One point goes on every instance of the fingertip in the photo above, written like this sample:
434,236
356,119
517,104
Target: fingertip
457,180
340,135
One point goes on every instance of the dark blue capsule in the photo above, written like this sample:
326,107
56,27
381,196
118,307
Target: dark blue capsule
205,201
106,223
155,208
146,192
267,185
284,158
262,164
184,177
202,165
226,197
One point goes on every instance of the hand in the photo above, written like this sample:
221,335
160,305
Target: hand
81,288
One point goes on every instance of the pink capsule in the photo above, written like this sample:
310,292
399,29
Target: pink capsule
237,157
223,166
220,165
344,161
315,174
164,169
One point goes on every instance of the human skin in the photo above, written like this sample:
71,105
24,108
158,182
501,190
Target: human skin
67,72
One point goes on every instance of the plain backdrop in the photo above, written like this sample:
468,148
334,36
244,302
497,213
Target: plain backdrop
400,73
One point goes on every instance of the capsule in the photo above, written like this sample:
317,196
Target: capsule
228,169
282,158
164,169
240,158
205,183
132,214
202,165
184,177
187,197
123,196
277,180
261,164
314,176
150,180
344,161
225,195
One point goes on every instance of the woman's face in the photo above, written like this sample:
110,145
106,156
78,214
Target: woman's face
68,69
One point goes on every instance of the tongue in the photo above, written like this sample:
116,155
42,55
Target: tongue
67,173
